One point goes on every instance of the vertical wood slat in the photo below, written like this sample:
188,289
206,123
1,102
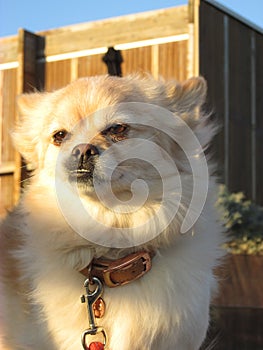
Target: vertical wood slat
74,69
8,85
31,71
7,193
240,130
193,42
259,116
226,97
1,112
31,77
212,54
7,154
253,114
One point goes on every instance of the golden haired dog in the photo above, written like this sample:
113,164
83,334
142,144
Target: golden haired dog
120,210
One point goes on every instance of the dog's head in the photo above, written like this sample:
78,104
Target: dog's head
119,142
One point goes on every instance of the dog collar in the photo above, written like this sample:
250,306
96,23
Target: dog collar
115,273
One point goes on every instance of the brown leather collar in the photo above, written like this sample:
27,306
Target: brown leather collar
118,272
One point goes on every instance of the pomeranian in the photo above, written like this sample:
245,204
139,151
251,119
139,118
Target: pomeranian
120,210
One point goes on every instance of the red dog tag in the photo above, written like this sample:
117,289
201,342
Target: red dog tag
96,346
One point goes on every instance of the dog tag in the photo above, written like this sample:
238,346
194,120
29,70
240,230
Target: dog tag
99,308
96,346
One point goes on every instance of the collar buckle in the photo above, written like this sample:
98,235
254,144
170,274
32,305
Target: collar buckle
133,266
115,273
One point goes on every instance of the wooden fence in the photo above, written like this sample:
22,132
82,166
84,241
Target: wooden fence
231,57
175,43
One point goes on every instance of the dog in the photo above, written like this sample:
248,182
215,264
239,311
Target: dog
120,210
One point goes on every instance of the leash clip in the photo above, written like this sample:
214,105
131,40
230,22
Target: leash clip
90,298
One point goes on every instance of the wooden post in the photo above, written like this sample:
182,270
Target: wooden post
193,48
30,77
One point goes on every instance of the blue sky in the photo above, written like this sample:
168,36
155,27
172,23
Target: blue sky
40,15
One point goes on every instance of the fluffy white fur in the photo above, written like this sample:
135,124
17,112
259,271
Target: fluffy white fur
166,309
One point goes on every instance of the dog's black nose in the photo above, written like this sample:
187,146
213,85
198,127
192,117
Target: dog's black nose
84,151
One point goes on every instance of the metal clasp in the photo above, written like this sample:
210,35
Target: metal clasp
91,297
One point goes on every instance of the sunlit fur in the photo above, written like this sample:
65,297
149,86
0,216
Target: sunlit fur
41,254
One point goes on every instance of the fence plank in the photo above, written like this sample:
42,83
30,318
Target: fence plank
240,174
212,52
259,118
110,32
7,190
7,154
31,62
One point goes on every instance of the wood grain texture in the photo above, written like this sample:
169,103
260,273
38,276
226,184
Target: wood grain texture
233,328
110,32
241,282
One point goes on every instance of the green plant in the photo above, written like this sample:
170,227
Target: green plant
244,222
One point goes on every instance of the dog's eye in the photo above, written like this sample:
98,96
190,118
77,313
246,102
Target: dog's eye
116,132
58,137
117,129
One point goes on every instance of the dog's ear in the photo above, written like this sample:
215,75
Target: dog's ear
187,96
193,93
27,132
187,100
28,103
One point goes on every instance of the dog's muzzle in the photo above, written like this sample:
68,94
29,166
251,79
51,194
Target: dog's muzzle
82,162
